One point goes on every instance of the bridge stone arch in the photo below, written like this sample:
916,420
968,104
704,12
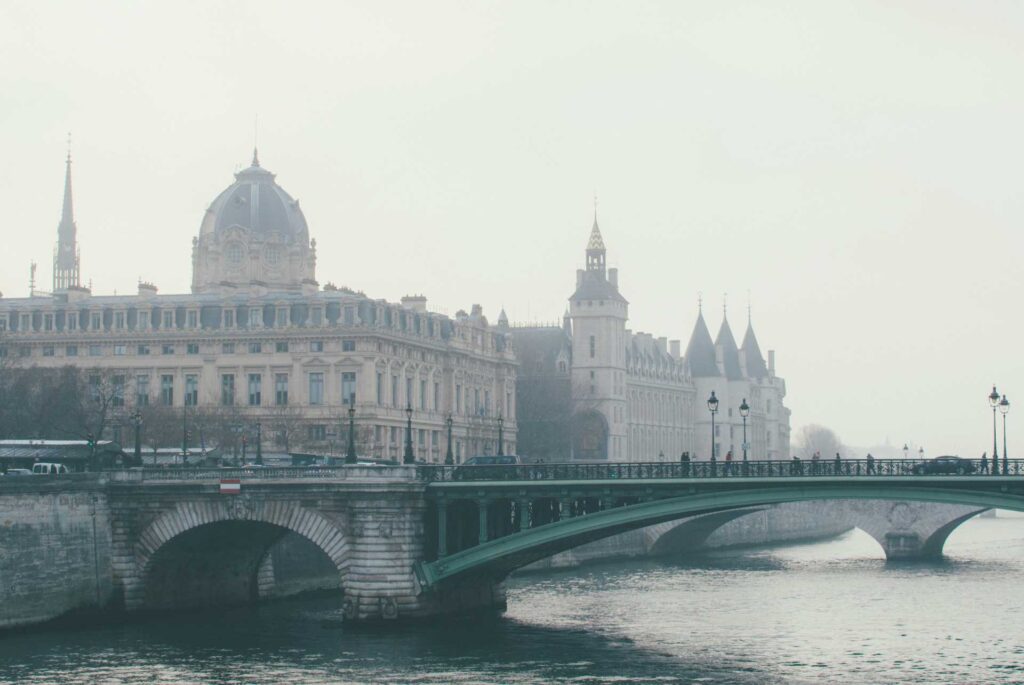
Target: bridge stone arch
909,530
231,536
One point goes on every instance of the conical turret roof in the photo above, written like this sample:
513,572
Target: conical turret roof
700,351
751,353
730,353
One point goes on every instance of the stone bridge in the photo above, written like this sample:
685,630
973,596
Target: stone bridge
403,541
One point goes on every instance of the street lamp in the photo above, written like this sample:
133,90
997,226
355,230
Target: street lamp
184,434
993,400
501,436
350,455
1004,408
408,457
920,453
906,452
137,420
448,457
713,408
744,412
259,444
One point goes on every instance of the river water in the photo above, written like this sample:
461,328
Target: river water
825,612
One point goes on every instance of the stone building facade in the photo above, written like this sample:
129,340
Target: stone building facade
258,335
594,389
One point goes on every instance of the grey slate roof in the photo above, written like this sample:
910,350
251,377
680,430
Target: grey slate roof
751,352
538,349
595,286
255,202
700,351
730,353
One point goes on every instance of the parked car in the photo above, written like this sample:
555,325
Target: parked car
944,465
18,472
49,469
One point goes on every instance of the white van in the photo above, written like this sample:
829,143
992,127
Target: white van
49,469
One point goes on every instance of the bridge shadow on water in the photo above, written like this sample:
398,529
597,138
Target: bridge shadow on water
302,640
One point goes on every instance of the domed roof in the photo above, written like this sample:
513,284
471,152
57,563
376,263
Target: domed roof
256,203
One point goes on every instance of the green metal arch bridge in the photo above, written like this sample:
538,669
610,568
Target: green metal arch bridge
487,521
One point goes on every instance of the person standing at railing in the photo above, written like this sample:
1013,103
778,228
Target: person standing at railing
728,463
871,464
984,462
838,466
816,463
685,461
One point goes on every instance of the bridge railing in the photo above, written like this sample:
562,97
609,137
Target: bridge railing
241,473
719,469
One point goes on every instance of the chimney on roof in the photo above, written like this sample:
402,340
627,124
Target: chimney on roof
613,278
663,345
673,346
417,303
771,362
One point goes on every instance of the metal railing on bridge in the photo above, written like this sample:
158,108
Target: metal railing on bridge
720,469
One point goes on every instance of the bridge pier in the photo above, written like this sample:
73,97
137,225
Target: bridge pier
908,531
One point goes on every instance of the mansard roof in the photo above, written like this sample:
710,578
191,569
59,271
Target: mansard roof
595,286
751,352
700,352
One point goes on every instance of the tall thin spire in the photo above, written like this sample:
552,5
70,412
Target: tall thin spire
65,258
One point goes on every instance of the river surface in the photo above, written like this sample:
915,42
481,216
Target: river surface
824,612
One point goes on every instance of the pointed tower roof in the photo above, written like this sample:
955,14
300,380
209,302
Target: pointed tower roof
700,351
503,319
751,352
596,242
67,216
730,353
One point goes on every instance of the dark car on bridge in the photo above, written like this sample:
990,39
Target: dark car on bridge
944,465
489,467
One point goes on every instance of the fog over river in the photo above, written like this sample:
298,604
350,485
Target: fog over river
825,612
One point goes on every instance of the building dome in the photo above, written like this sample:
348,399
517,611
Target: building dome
256,203
253,233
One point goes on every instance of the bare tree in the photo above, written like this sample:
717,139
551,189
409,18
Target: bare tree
814,438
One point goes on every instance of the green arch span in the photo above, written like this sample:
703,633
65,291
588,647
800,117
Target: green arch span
497,558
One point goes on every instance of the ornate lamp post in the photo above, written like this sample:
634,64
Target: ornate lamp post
501,435
259,443
744,412
448,457
993,400
184,434
713,408
1004,408
906,452
408,457
137,420
920,453
350,455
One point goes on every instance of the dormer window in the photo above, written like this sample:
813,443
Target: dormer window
95,321
192,319
168,319
255,317
229,318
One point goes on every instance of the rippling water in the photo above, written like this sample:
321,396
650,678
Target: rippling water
828,612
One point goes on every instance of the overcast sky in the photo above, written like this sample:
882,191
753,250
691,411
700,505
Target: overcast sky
855,165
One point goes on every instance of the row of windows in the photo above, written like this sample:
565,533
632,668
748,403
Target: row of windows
228,397
229,317
144,349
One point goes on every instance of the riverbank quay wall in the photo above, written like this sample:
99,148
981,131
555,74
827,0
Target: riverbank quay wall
55,548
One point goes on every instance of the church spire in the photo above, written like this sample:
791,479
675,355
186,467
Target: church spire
65,258
595,246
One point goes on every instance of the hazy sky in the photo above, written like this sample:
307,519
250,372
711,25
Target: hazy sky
855,165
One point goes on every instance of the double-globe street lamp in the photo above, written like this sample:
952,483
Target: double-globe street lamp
1004,408
713,408
993,400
